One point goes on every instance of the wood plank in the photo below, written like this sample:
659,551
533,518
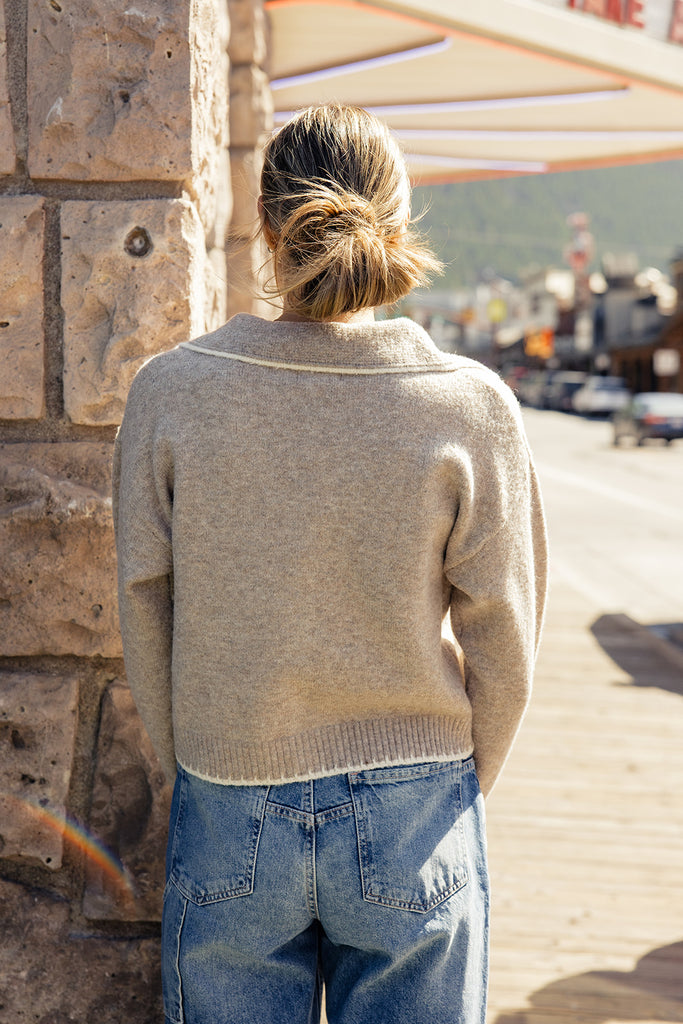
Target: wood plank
586,836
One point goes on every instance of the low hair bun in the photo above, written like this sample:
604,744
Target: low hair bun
336,196
326,210
358,213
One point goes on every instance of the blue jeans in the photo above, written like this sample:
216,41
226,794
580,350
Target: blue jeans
373,882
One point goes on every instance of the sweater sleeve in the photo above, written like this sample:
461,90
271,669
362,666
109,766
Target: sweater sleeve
496,563
142,505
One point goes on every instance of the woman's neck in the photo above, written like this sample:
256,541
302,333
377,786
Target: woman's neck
358,317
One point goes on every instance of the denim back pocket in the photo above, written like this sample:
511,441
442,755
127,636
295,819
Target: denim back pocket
411,843
214,838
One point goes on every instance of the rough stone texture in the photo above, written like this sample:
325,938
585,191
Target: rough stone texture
7,150
133,277
251,118
22,224
129,814
37,735
248,32
216,237
126,92
246,252
246,259
52,974
251,106
245,172
209,33
215,307
57,560
109,96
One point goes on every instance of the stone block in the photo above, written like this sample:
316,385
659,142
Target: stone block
129,815
22,226
215,309
248,32
57,558
109,97
50,973
132,286
245,172
242,269
215,239
247,273
37,735
129,92
7,149
251,105
209,32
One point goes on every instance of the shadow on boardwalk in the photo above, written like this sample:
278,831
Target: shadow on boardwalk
652,991
648,659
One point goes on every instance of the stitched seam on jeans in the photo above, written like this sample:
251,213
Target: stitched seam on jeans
334,813
182,809
258,840
360,842
418,908
314,874
282,811
305,817
181,1014
409,772
310,849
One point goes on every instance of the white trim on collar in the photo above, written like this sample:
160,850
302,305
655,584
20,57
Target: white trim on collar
444,367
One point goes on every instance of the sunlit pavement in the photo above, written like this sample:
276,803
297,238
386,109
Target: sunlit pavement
615,515
586,823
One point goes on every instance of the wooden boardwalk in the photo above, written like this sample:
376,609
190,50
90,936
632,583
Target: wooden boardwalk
586,832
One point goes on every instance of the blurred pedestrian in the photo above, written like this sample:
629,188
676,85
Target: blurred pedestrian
302,506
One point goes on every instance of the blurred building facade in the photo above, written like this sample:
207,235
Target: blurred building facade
626,321
645,345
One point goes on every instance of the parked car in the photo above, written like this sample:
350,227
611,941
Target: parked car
601,396
532,388
650,415
561,389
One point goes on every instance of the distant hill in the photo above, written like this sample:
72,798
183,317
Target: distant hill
513,223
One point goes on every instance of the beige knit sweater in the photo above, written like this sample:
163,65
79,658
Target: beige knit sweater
298,506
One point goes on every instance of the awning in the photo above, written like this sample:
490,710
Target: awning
486,88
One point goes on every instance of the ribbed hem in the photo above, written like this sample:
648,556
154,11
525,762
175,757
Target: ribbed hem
329,750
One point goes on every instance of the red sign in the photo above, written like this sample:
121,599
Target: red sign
623,12
662,19
676,29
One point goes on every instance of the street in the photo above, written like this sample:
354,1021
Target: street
586,823
615,516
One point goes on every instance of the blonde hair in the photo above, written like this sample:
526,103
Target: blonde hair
336,198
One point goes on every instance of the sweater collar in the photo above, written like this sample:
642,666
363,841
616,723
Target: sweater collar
376,347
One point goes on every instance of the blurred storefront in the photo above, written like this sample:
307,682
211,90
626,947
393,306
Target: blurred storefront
651,357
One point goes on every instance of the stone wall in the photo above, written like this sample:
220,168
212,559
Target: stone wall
251,118
122,129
